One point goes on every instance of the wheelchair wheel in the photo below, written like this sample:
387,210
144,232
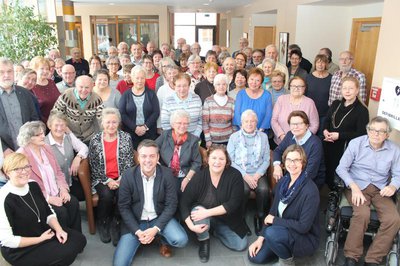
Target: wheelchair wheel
392,260
331,251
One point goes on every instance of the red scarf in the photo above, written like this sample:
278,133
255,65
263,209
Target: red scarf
175,164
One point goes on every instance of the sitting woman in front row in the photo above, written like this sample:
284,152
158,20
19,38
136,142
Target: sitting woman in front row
29,230
291,228
48,174
179,149
213,200
248,149
110,154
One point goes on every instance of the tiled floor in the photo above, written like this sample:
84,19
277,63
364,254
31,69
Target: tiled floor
97,253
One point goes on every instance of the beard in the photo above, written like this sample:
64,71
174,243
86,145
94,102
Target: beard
6,84
345,69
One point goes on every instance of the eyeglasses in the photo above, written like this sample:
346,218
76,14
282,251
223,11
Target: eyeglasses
294,161
113,64
298,87
296,124
20,169
374,131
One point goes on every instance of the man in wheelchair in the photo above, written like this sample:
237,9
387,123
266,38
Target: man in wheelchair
370,169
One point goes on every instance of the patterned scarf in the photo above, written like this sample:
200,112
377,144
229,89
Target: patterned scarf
175,164
286,193
255,149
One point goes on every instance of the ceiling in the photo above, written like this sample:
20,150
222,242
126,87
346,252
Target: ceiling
179,5
218,6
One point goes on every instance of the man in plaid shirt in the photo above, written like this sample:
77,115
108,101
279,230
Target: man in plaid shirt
346,61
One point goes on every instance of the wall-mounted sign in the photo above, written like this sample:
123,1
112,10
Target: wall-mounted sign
375,94
389,105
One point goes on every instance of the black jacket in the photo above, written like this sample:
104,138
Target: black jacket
131,198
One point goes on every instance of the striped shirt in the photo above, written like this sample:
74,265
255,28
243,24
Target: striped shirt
217,120
192,105
336,85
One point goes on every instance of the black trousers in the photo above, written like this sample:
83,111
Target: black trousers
68,214
49,253
262,196
107,206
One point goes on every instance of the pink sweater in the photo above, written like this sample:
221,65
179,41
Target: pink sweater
282,110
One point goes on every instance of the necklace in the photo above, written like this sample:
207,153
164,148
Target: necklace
34,202
341,121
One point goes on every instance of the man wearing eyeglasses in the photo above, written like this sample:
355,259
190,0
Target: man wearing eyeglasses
346,69
370,168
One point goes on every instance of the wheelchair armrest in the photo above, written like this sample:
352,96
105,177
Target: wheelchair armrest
338,183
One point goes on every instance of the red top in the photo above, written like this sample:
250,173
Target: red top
151,83
47,97
110,152
123,86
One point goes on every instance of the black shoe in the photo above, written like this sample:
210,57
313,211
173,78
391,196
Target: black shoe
350,262
204,250
103,226
371,264
115,231
258,224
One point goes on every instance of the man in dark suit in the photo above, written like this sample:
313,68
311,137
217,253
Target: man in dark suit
147,203
80,64
16,107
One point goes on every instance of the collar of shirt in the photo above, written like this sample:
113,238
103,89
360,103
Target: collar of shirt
367,144
68,86
77,61
2,90
80,101
148,178
183,101
303,139
52,141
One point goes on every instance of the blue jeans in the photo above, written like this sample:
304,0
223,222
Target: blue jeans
173,234
229,238
276,244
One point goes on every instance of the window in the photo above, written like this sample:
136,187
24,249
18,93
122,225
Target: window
111,30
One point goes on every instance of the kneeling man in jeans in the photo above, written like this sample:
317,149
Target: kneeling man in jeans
147,203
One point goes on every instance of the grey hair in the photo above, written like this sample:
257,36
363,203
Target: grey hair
269,60
112,58
193,58
247,113
380,119
5,61
271,46
136,69
168,61
221,77
54,114
110,111
178,114
223,55
29,130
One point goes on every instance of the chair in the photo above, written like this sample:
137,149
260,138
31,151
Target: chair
92,199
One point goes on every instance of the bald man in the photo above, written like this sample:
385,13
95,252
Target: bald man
82,108
68,75
272,52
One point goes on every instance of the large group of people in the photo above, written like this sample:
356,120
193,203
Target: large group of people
175,140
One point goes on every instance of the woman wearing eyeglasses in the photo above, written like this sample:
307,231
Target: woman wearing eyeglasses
29,230
345,120
292,102
113,65
291,228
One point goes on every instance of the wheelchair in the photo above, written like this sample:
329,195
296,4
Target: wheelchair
338,215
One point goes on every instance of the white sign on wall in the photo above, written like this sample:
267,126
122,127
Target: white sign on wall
389,105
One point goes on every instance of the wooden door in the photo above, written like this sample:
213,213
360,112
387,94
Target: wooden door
363,44
263,36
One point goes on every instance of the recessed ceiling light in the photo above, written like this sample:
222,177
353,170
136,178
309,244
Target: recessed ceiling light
206,4
111,4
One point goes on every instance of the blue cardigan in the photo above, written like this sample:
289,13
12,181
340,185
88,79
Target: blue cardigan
300,217
315,156
151,111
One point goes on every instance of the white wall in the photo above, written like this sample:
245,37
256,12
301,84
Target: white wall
236,33
329,26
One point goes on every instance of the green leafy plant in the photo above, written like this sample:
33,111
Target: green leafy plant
23,34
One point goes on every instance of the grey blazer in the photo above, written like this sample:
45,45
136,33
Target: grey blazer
189,158
131,198
28,113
